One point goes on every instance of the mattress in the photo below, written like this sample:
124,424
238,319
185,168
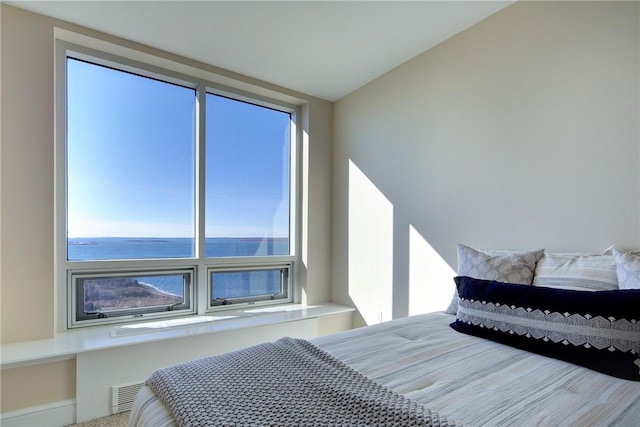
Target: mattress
469,380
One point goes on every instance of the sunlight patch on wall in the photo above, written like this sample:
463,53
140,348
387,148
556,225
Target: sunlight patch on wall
431,283
303,222
370,248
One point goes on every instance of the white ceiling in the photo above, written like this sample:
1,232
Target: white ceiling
321,48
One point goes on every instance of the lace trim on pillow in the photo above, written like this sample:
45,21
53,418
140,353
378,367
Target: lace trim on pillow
576,329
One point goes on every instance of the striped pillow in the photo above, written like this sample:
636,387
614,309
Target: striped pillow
628,268
574,271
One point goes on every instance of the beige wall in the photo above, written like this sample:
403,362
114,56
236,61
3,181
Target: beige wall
27,176
521,132
36,385
27,310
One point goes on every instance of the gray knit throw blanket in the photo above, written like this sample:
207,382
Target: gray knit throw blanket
289,382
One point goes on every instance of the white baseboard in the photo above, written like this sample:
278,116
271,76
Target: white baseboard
56,414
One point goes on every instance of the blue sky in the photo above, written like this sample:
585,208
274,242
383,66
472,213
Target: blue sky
131,160
247,169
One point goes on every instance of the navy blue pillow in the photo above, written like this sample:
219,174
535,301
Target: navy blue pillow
599,330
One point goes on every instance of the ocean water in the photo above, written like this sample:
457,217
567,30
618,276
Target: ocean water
110,248
226,285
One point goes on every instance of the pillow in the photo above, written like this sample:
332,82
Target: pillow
582,272
627,269
596,329
501,265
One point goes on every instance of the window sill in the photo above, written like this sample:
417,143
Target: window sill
66,345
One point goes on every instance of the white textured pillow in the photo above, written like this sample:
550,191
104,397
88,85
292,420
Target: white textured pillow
627,269
576,271
501,265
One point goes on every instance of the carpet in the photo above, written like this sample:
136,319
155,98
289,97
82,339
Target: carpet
116,420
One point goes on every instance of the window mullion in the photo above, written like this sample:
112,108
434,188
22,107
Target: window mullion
201,273
200,169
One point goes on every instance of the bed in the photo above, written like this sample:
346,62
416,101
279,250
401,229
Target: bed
460,377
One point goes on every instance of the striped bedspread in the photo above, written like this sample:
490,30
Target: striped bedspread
468,379
288,382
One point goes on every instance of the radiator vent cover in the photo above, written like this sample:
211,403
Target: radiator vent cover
122,396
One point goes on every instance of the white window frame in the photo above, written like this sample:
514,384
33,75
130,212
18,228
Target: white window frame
285,268
76,275
199,265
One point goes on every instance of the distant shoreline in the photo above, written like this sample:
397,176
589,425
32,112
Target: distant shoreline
159,290
106,295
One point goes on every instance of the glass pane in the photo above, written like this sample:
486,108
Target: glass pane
242,284
95,248
104,295
130,165
247,179
246,246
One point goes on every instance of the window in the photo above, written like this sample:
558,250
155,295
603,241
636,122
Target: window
247,178
228,286
174,195
101,296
